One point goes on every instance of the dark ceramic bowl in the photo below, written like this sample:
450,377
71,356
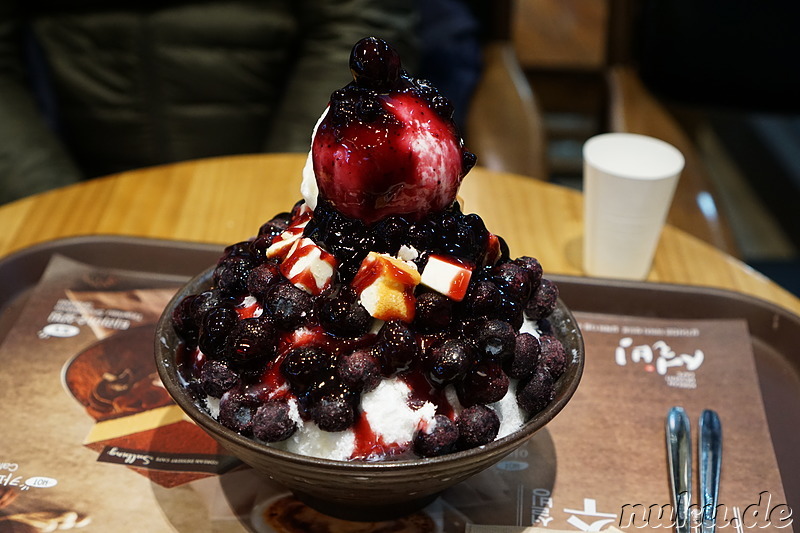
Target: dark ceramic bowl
358,490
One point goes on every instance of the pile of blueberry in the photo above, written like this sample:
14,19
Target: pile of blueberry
322,349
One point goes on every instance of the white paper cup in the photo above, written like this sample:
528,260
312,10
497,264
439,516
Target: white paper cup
628,184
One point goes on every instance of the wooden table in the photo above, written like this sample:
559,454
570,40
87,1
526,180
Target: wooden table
224,200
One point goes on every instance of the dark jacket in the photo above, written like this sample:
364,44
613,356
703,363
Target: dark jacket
92,87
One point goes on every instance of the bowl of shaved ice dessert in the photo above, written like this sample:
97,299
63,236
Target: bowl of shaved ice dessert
373,345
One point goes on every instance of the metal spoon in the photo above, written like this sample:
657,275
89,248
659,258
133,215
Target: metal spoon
679,453
710,450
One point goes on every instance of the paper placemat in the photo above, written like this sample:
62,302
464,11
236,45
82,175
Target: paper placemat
90,440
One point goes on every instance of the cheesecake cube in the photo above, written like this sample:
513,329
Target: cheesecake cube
308,267
447,275
385,286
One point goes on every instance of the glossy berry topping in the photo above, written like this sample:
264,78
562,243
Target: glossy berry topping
513,281
208,300
275,226
230,276
532,267
387,145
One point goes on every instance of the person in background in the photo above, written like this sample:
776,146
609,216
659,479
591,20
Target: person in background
450,39
93,87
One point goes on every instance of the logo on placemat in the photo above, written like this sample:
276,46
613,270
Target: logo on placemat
677,367
667,351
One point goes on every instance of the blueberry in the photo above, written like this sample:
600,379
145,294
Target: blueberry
252,338
239,249
513,281
484,383
262,279
482,300
368,108
536,393
259,245
217,378
438,439
478,237
274,227
217,324
448,361
532,267
495,340
390,234
183,320
333,413
359,371
236,411
272,421
432,311
374,64
208,300
340,313
553,357
511,311
443,106
477,425
526,357
543,301
420,236
288,305
398,346
302,365
230,276
468,160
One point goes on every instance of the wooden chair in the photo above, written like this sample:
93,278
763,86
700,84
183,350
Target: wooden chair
504,126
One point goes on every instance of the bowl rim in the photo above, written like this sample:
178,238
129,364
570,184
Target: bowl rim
566,385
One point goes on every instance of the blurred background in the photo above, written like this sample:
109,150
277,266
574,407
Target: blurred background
89,88
717,79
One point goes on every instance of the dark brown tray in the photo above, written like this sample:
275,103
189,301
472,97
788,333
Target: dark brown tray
775,332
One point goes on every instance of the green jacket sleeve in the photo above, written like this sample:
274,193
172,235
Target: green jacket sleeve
331,28
31,157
